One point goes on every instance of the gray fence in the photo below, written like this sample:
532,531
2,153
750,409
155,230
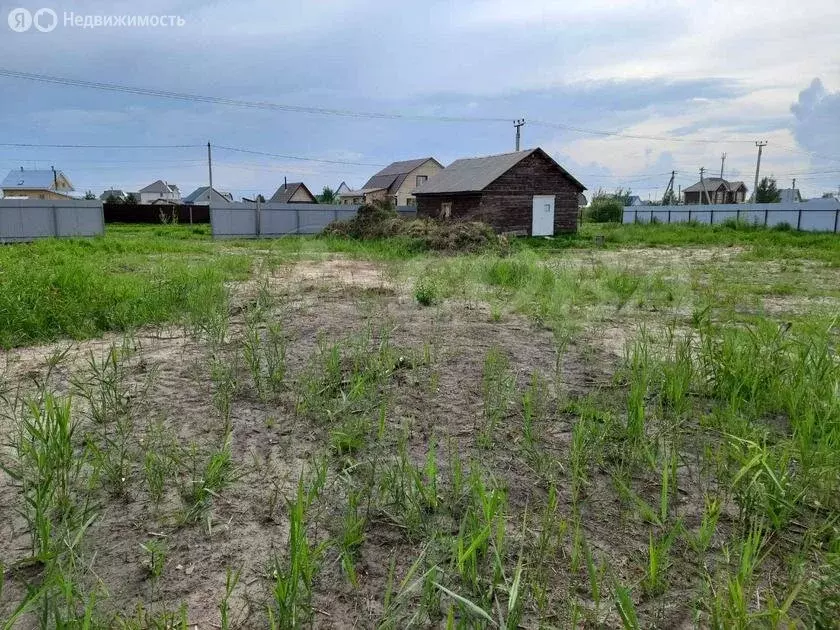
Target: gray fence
814,215
29,219
248,220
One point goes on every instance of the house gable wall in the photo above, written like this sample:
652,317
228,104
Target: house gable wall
507,203
403,194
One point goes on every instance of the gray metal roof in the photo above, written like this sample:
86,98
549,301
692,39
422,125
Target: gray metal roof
111,193
159,186
393,175
200,194
287,191
38,180
713,183
361,192
475,174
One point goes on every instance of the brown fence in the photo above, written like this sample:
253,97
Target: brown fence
125,213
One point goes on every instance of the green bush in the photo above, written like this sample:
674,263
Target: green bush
380,220
605,210
426,292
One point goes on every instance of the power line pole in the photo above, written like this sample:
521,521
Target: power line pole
760,144
703,184
722,162
666,199
210,168
518,124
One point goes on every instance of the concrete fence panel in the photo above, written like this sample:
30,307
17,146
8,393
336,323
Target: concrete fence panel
29,219
245,220
815,215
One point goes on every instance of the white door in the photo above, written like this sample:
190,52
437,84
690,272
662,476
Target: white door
543,221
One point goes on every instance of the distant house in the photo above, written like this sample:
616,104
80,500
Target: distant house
293,192
160,192
525,192
113,194
342,188
35,184
790,195
634,200
719,191
205,196
395,183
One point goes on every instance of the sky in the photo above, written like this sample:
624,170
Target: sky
673,84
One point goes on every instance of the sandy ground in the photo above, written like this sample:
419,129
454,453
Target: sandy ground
168,381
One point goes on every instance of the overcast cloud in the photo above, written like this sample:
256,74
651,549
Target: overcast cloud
728,72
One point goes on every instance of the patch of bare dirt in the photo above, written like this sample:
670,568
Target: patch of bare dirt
442,403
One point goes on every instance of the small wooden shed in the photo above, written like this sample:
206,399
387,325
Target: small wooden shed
525,193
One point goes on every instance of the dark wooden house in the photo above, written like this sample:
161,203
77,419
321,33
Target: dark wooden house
715,190
525,193
293,192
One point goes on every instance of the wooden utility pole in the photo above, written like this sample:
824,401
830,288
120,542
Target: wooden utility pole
518,124
703,184
210,168
666,200
760,144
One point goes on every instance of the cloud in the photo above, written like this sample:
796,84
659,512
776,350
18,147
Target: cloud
817,124
695,71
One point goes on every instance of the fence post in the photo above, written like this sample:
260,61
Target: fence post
335,214
766,217
836,220
712,218
799,220
297,220
689,215
55,221
258,217
669,216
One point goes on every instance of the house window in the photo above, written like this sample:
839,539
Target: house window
718,197
410,201
446,210
421,179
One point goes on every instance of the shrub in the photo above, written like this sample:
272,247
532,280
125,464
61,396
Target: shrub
376,220
426,292
605,210
380,220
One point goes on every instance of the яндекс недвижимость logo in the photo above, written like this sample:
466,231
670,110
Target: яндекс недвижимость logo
21,20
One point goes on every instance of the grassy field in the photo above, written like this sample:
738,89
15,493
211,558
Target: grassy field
320,432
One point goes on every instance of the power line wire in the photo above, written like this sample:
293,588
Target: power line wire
295,157
28,145
181,96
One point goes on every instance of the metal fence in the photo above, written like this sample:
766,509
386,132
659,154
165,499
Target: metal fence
30,219
251,220
814,215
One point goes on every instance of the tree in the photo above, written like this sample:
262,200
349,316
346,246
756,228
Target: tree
767,192
112,198
131,200
260,198
327,196
605,209
89,195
